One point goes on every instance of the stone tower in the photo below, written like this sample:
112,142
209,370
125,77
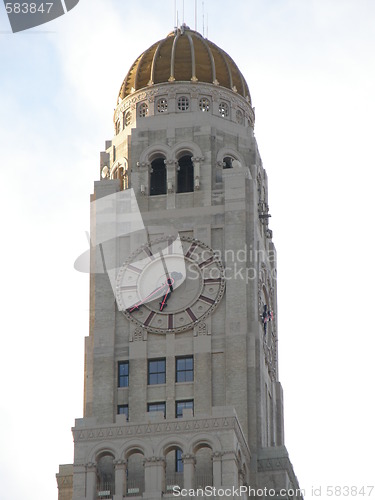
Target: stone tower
181,367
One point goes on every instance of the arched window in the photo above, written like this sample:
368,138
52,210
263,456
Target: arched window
105,476
158,178
117,127
228,162
135,474
174,469
185,177
162,105
143,110
224,109
127,118
204,104
203,467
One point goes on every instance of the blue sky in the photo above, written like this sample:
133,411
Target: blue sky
311,72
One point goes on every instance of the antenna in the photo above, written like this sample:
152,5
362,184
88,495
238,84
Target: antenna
183,11
203,16
207,26
195,15
175,14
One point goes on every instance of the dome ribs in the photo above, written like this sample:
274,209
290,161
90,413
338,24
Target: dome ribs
223,74
142,76
192,51
173,55
207,78
184,55
182,59
162,69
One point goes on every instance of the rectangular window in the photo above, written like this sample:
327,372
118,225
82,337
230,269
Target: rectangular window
123,374
182,405
185,369
156,407
179,462
123,410
156,371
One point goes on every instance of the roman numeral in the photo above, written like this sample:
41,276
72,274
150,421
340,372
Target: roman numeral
206,299
193,246
130,288
149,318
134,269
170,321
191,314
149,253
212,281
206,262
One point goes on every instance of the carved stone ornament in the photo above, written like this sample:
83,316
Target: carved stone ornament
153,460
138,335
202,329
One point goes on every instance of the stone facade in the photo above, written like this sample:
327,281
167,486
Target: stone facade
230,433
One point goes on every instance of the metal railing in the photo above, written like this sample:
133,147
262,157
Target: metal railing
105,490
203,479
173,479
135,486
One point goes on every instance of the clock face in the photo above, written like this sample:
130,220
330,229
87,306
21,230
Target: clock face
170,284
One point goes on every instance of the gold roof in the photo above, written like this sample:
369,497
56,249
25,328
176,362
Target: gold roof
184,55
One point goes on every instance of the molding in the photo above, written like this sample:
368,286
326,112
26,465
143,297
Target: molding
195,89
168,428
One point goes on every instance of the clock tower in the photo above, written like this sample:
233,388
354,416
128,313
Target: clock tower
181,369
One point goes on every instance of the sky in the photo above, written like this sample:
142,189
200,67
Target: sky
310,68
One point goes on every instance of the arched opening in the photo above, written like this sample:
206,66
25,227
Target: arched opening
135,474
105,476
174,468
228,162
203,466
185,177
158,177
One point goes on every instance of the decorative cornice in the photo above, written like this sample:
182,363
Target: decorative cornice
171,427
279,464
172,88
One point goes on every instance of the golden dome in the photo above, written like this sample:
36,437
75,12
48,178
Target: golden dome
184,55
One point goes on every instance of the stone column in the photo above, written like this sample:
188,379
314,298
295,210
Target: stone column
154,477
120,479
189,470
91,481
197,162
229,469
216,469
171,182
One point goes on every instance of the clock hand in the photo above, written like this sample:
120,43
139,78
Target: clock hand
163,303
136,306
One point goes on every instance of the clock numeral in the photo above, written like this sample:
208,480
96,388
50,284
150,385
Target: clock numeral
193,246
170,246
170,321
149,253
134,269
206,262
206,299
191,314
130,288
149,318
